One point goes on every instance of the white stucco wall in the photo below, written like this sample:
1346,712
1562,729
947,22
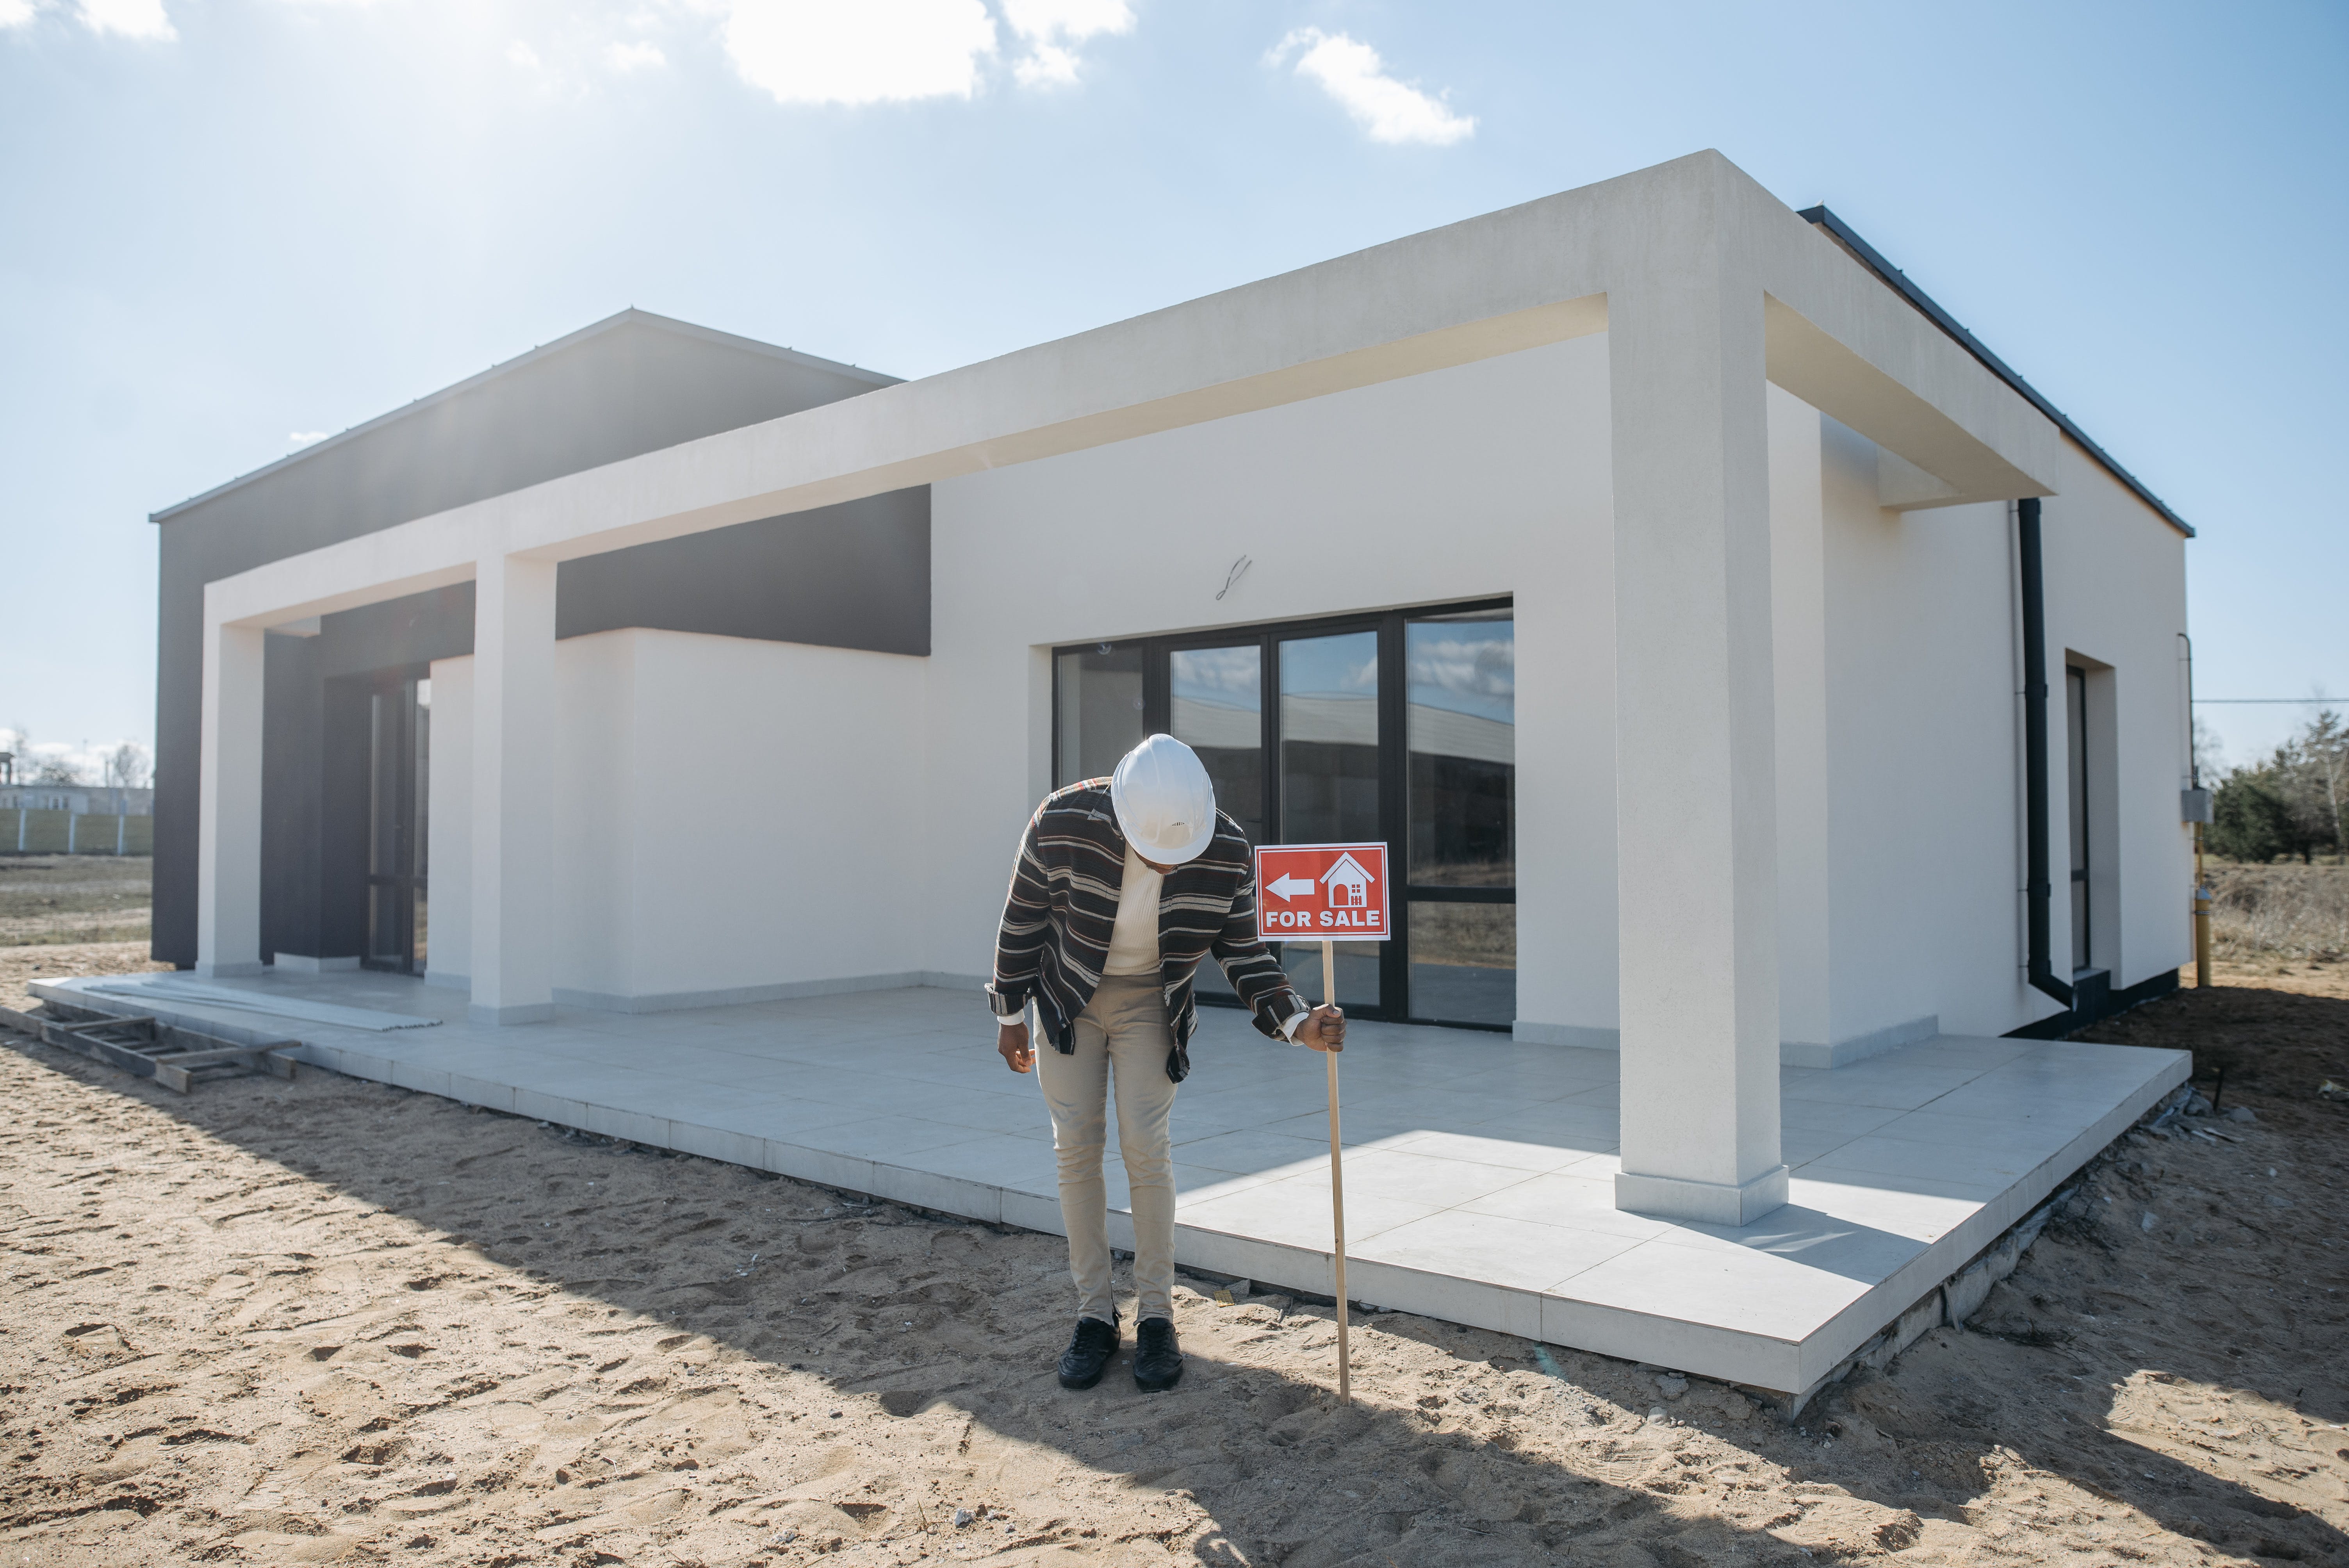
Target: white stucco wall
793,861
1922,774
2116,594
1485,479
1901,800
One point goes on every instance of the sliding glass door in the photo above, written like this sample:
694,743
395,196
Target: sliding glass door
1330,764
1460,733
1397,726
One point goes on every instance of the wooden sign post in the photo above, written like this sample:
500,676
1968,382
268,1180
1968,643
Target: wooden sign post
1337,1183
1333,892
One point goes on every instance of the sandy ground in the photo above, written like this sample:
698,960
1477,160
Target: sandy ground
329,1320
55,960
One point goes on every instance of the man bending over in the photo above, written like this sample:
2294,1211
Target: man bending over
1123,886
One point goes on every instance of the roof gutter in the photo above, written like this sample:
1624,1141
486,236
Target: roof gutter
1867,257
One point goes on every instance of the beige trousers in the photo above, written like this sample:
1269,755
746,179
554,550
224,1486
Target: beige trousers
1122,1035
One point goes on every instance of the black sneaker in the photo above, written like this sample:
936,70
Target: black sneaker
1157,1359
1089,1348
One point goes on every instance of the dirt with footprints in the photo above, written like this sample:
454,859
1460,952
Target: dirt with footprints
329,1321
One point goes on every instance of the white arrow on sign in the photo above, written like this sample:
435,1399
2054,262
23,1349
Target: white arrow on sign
1288,887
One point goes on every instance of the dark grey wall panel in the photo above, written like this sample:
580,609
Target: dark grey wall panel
291,740
398,634
314,761
631,385
342,769
856,576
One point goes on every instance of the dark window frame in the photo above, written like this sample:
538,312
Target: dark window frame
1394,754
2080,793
397,686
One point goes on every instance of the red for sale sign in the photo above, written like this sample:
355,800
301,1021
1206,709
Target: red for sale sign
1322,893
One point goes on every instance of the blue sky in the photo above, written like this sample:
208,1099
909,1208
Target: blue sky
231,223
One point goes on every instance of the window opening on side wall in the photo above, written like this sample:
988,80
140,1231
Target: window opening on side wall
2076,730
1398,726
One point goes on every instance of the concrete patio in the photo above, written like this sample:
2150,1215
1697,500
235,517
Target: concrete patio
1479,1170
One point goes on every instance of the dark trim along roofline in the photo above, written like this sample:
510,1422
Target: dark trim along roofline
1868,256
594,329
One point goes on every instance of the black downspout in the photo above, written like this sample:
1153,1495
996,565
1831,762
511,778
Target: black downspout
2038,889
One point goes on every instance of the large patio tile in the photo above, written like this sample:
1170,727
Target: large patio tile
1575,1201
1901,1087
1992,1168
1810,1237
1501,1150
1932,1127
1735,1288
1492,1249
1403,1175
1254,1150
895,1138
1567,1125
1294,1212
1826,1116
1912,1210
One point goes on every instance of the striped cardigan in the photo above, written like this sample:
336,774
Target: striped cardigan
1064,905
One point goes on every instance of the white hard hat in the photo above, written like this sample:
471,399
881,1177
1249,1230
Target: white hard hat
1165,805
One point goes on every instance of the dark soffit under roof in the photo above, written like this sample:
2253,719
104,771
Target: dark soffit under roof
1868,257
626,318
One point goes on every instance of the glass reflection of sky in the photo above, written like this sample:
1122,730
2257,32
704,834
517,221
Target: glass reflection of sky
1344,666
1226,677
1467,666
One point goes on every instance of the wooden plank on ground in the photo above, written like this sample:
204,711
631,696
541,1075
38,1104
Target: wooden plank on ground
168,1053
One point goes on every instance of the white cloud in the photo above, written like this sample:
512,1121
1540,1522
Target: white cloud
306,437
860,51
1049,66
522,55
1049,26
132,18
1388,110
16,13
636,57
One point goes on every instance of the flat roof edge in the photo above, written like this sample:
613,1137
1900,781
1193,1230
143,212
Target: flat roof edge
630,316
1869,257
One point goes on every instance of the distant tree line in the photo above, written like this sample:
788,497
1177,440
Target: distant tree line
2289,806
128,766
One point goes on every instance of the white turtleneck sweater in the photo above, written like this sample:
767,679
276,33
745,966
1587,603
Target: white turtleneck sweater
1133,940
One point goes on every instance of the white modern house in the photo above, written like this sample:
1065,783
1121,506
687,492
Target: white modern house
1736,656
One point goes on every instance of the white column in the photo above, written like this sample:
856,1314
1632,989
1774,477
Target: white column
228,807
512,960
1696,811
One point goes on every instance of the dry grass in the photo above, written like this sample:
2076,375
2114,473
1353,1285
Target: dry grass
2264,914
74,899
20,966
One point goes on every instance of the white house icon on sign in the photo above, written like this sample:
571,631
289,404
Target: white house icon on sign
1349,884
